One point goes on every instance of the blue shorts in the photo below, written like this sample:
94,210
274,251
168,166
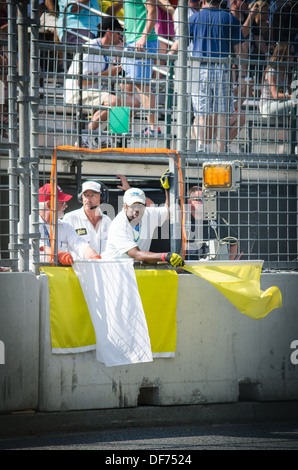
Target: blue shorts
210,90
139,68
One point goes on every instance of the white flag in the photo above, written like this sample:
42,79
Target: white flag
116,310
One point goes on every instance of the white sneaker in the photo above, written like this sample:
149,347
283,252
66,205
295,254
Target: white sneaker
204,148
88,142
230,151
92,143
84,142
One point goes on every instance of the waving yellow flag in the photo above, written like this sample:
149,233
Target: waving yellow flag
240,284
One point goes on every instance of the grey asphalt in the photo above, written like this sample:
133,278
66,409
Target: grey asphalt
150,432
172,440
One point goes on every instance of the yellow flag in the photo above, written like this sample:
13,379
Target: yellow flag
240,284
158,292
71,326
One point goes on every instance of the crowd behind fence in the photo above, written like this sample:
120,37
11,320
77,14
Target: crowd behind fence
76,78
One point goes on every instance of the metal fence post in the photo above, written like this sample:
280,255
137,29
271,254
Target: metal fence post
34,113
12,122
24,146
181,75
181,71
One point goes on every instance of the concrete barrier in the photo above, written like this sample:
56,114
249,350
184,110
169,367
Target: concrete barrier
19,334
222,356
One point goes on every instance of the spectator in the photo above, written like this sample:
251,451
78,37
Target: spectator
201,232
67,238
276,98
238,117
259,37
239,8
215,33
193,7
47,15
284,20
245,12
140,18
112,8
81,23
164,26
96,94
3,15
245,15
131,231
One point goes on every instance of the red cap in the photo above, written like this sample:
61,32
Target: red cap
45,194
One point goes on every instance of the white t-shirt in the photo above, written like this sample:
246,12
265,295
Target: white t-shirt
93,64
123,236
68,240
266,97
97,239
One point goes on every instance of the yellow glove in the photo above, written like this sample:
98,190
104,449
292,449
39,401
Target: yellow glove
165,179
175,260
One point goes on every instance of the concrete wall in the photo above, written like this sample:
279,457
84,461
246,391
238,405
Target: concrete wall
19,334
220,355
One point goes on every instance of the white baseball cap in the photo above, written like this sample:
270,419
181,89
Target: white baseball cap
133,195
92,186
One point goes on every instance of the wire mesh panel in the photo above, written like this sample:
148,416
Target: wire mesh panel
90,83
184,84
9,168
233,50
208,80
254,219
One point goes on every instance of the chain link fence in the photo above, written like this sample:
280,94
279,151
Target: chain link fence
71,77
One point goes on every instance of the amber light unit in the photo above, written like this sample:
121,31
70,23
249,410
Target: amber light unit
216,176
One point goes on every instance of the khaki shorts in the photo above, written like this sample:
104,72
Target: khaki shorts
91,98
